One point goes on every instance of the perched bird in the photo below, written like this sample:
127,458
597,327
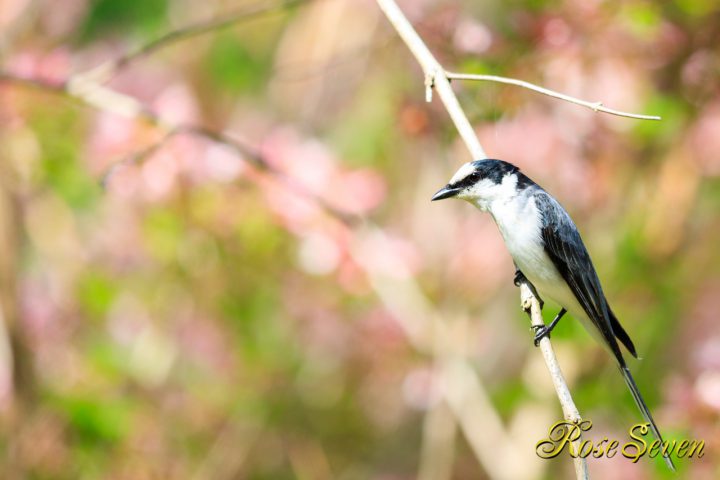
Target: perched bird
547,250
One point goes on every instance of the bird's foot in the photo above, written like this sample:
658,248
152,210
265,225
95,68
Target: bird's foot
521,278
541,331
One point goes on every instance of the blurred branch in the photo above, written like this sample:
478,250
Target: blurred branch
436,76
38,83
136,158
438,443
464,393
595,106
90,93
106,71
99,97
228,453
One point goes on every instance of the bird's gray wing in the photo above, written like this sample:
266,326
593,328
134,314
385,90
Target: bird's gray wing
568,253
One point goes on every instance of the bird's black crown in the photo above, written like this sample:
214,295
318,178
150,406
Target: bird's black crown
493,170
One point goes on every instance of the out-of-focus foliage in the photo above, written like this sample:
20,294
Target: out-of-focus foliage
104,17
199,319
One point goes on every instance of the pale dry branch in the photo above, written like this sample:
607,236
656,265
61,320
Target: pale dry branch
531,305
595,106
436,77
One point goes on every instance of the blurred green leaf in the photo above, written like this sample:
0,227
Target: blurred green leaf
96,422
367,134
643,18
61,167
233,67
697,8
116,16
508,395
674,112
163,230
96,292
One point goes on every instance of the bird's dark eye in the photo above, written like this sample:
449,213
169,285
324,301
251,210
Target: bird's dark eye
469,180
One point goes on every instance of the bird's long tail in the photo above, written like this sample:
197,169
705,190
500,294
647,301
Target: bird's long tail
644,409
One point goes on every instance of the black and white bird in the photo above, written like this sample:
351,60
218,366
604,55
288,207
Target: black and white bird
547,250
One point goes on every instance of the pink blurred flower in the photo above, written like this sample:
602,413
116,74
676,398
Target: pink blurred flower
421,389
177,104
388,255
705,141
483,264
296,211
124,181
314,167
158,174
706,355
556,32
380,333
707,388
472,36
698,67
318,253
115,138
617,83
53,66
352,279
528,140
357,191
221,164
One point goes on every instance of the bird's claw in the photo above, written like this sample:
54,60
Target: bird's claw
521,278
541,331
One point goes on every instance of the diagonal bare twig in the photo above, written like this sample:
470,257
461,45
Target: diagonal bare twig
531,305
595,106
434,76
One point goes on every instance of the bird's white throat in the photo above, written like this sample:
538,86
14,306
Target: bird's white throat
487,195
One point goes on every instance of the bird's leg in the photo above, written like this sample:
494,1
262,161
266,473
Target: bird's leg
521,278
542,331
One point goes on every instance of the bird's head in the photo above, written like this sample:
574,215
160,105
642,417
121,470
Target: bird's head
483,181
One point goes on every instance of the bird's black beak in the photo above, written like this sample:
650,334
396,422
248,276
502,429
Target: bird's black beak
446,192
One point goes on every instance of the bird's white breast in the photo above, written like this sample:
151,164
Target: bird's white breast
520,221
